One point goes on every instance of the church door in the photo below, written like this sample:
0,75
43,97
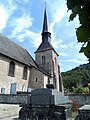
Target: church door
13,88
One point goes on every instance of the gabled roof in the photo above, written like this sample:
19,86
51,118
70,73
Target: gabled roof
10,49
44,46
14,51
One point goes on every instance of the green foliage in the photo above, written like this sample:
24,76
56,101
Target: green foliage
82,9
80,89
79,76
75,12
86,90
86,50
83,34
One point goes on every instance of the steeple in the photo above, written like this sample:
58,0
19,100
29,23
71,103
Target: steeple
45,24
46,35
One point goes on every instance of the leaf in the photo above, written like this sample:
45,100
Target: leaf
80,2
84,16
71,4
72,16
74,13
82,49
83,34
86,50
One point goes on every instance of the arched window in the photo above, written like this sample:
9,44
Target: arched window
43,59
24,88
3,90
25,73
11,69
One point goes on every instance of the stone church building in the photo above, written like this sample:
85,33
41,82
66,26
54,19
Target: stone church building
20,72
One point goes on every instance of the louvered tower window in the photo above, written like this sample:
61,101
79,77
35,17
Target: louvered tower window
43,59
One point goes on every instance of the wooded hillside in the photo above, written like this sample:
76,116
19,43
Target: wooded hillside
77,77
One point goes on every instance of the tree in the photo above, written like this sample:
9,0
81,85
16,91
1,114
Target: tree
82,9
77,77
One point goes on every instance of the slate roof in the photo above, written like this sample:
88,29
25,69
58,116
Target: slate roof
14,51
44,47
45,23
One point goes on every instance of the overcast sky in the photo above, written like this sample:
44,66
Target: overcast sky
22,21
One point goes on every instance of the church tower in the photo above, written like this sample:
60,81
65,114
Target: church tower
47,58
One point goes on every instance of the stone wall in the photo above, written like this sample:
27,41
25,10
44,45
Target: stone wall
6,81
56,71
48,57
37,79
82,99
14,99
50,65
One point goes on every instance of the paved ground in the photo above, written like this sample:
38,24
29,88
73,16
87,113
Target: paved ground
9,112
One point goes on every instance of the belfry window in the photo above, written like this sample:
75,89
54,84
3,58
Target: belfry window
43,59
11,69
25,73
36,79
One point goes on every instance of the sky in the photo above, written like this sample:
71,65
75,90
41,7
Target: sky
22,22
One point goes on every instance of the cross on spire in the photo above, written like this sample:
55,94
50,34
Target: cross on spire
45,4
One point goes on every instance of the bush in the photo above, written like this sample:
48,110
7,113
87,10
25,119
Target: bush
80,90
85,90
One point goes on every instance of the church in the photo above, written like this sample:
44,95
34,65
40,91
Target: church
19,72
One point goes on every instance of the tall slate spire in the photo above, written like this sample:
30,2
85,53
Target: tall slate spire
46,35
45,24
